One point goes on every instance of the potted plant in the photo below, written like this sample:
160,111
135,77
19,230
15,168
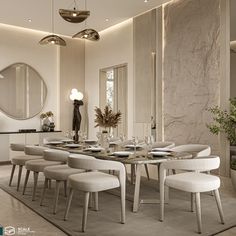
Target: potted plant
107,120
47,121
225,121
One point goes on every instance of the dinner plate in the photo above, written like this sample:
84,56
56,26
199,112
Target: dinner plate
122,153
90,141
161,150
67,140
160,154
95,149
55,142
72,145
132,146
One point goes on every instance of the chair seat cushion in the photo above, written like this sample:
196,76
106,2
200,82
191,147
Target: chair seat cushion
60,172
39,165
193,182
20,160
93,181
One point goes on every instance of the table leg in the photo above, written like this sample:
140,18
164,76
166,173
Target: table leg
137,188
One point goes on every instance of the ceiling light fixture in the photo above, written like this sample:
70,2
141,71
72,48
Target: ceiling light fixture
87,33
74,16
233,46
52,38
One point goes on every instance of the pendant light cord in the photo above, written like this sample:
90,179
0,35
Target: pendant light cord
52,20
85,22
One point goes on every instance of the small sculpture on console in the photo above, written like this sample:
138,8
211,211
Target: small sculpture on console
77,98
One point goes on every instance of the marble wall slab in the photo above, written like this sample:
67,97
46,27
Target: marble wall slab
191,70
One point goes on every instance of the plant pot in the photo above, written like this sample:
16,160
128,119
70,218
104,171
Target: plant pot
233,177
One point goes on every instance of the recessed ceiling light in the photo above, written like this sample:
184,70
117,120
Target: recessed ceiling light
107,19
29,20
146,1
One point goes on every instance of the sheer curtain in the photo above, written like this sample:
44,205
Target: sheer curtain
120,98
119,95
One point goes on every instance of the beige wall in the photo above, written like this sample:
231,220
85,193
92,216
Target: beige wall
62,69
71,76
21,45
114,48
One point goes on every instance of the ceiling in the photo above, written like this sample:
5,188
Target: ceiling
18,13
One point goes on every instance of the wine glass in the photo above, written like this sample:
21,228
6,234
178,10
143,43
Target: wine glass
135,142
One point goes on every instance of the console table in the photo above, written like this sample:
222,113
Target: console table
28,138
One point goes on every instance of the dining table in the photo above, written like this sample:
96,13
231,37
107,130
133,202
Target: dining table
137,158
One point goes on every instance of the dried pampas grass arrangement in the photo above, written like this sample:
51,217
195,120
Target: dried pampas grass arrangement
108,118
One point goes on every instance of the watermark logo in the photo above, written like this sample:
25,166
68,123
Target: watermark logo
9,230
25,231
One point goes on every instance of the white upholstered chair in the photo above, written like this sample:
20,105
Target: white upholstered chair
60,173
197,150
159,145
30,153
193,182
95,181
51,157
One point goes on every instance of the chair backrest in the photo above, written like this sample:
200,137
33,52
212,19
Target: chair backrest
51,139
88,163
56,155
198,164
35,150
72,160
197,150
17,147
163,145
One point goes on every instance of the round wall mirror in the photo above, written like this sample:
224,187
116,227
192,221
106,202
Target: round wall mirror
22,91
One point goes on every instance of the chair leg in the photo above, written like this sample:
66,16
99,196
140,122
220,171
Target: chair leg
147,172
162,201
212,192
192,202
36,175
43,192
68,203
96,201
198,212
26,180
122,198
57,190
19,178
65,188
218,202
85,211
12,174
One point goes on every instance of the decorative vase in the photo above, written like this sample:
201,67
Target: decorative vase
45,124
104,140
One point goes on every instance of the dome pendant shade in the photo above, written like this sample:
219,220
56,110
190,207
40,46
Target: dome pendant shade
74,16
233,46
89,34
53,39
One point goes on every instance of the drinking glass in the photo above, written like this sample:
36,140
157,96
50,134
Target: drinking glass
135,142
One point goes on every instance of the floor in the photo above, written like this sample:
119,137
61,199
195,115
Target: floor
14,213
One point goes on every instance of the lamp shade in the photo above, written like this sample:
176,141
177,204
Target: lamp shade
89,34
53,39
76,95
74,16
233,46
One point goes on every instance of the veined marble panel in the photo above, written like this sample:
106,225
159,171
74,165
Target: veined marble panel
191,69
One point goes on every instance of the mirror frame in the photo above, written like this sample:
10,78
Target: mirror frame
46,92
